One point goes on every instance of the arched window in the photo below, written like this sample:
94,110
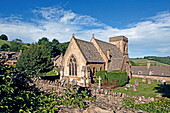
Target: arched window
72,66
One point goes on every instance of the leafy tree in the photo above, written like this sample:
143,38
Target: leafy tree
62,47
17,40
16,45
34,60
55,42
3,37
43,41
5,47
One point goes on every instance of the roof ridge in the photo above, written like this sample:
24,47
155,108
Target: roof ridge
104,42
82,40
80,48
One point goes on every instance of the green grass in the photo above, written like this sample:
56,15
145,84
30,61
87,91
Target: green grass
144,89
143,62
4,42
50,73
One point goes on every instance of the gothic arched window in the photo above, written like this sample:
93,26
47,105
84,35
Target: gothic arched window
72,66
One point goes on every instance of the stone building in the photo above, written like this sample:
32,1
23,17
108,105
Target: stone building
58,60
83,59
11,58
151,70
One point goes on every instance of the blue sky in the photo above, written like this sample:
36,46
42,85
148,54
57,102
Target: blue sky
145,22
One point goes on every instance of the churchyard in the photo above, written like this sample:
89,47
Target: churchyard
143,87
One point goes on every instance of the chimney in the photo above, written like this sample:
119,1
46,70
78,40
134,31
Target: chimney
148,64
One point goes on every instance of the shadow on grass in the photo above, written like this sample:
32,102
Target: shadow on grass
164,89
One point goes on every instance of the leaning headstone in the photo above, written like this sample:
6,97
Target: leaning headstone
149,81
136,82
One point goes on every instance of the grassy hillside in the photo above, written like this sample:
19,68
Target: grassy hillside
4,42
143,62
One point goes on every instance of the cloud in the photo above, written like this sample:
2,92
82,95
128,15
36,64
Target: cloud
148,37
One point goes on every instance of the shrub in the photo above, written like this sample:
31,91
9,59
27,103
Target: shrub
102,74
120,76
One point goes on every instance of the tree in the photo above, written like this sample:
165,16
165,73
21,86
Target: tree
55,42
3,37
18,96
5,47
16,45
34,60
43,41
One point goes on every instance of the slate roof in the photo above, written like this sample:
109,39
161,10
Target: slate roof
105,46
116,55
157,70
89,51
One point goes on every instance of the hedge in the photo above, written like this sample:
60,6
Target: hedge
120,76
102,74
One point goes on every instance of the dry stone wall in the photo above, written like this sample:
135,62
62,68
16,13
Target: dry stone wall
102,94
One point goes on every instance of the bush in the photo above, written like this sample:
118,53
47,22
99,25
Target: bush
120,76
102,74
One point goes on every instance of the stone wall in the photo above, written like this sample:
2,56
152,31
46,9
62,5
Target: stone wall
101,94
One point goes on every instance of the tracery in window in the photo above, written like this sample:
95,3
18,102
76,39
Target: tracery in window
72,66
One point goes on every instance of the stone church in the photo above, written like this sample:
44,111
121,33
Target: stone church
83,59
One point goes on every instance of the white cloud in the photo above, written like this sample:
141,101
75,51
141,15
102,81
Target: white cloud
150,37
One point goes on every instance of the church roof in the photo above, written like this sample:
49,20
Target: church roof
116,55
105,46
89,51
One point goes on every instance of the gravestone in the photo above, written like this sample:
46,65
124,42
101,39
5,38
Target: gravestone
136,82
144,80
67,80
149,81
134,88
163,82
74,82
126,88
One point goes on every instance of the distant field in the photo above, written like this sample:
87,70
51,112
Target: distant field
142,62
4,42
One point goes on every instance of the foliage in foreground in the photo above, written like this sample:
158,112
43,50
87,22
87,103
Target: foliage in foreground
160,106
77,97
17,96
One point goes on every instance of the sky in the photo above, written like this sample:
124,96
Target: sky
146,23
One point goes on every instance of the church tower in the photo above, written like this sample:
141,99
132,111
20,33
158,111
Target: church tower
121,42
